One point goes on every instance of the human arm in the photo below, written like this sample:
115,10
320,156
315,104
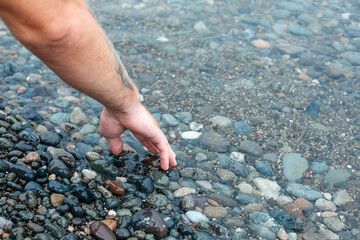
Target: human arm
67,38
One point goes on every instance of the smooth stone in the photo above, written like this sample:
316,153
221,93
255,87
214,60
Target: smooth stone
55,230
335,176
49,138
63,155
101,231
169,120
206,185
183,191
59,118
77,116
146,185
334,224
263,168
265,184
352,57
288,48
223,200
56,199
83,194
262,231
342,197
4,166
87,128
193,173
251,147
59,168
149,221
75,208
325,205
214,142
90,174
122,234
319,167
221,121
23,172
240,169
242,128
246,199
196,216
294,166
227,175
102,166
303,191
58,187
215,212
115,187
298,30
6,224
184,117
92,156
190,135
35,227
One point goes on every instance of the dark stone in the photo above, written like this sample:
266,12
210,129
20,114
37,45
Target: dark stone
62,208
33,187
101,231
45,157
59,168
28,137
23,172
185,229
240,169
242,128
49,138
147,78
122,234
75,208
149,221
83,194
23,147
4,166
223,200
35,227
58,187
263,168
124,221
102,166
112,203
15,153
146,185
283,218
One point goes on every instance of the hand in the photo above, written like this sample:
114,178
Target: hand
143,126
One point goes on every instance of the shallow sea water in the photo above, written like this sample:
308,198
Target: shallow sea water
271,77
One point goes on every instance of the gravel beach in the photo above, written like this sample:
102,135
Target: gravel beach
260,101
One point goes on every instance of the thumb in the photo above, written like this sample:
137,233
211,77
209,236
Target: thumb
116,144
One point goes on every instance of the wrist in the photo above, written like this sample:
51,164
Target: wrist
127,103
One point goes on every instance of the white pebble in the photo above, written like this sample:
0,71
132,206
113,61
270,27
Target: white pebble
190,135
195,126
327,196
111,213
237,156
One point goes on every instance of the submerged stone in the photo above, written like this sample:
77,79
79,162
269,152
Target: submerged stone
150,221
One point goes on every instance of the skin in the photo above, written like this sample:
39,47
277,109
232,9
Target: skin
68,39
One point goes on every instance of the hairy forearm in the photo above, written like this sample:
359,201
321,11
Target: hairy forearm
78,51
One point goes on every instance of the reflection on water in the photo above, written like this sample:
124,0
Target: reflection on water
273,84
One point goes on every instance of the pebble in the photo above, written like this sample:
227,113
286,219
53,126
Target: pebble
334,224
227,175
92,156
251,148
56,199
221,121
6,224
261,44
110,223
294,166
342,198
196,217
215,212
242,128
183,191
214,142
101,231
303,191
190,135
149,221
325,205
77,116
32,157
89,173
337,176
169,120
289,48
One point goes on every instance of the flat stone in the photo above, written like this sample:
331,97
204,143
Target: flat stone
289,48
334,224
342,197
183,191
214,142
215,212
101,231
335,176
294,166
251,147
169,120
221,121
325,205
196,217
227,175
77,116
303,191
190,135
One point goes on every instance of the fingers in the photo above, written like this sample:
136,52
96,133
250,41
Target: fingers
164,154
172,158
150,147
116,144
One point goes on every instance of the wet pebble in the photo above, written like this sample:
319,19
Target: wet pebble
150,221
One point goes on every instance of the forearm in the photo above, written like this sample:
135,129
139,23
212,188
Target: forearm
78,51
